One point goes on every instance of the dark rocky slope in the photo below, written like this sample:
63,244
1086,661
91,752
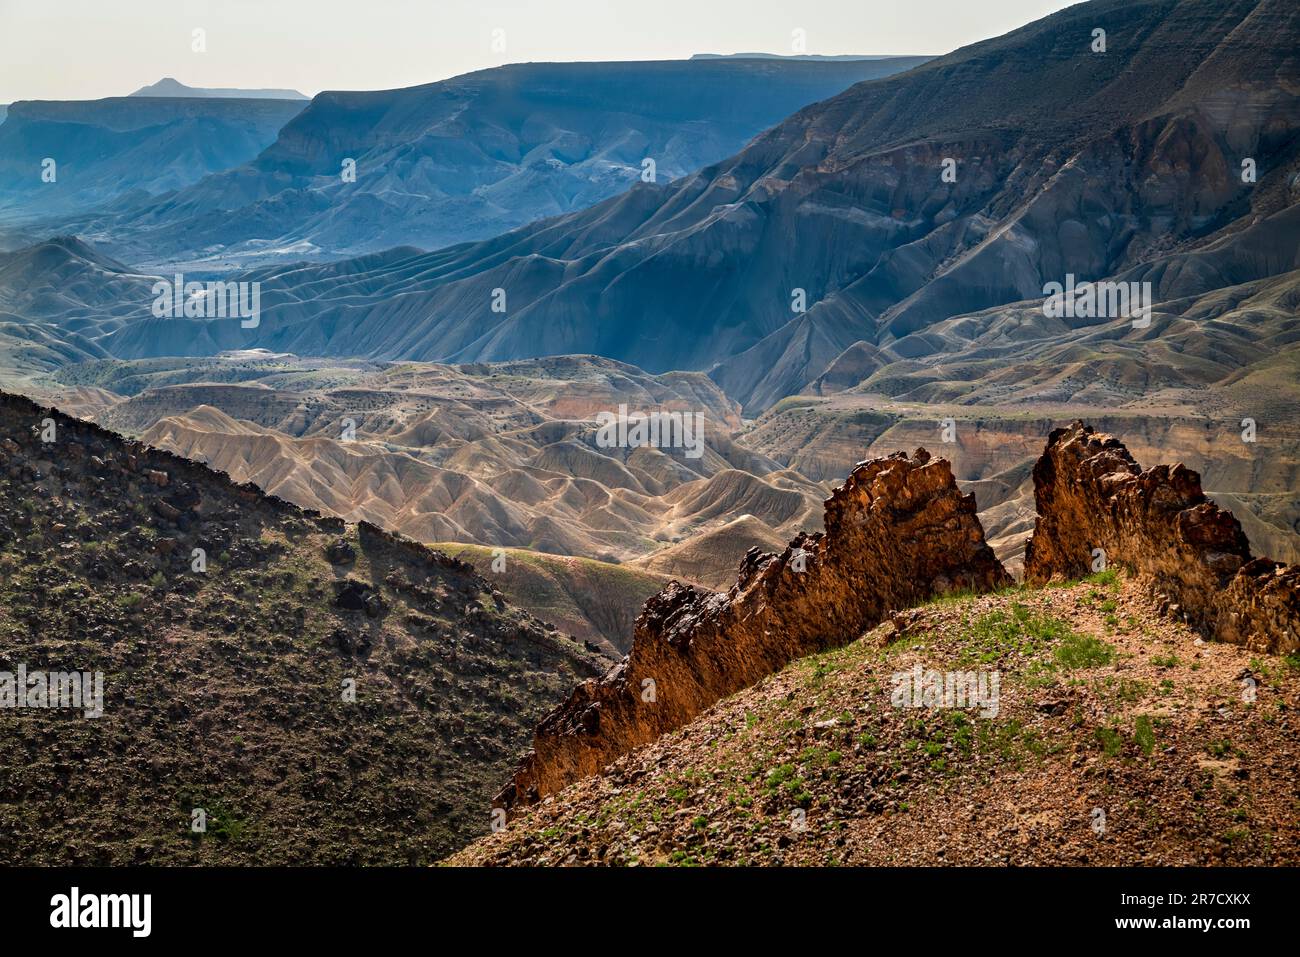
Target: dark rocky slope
224,688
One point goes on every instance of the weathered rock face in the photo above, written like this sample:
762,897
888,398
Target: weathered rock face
897,532
1158,524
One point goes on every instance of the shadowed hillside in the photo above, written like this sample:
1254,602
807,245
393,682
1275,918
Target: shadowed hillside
125,148
325,693
593,601
847,201
471,156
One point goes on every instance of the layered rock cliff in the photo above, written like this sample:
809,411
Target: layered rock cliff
897,532
1158,524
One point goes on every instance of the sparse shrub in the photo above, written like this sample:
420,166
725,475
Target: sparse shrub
1083,651
1144,734
1107,578
1222,749
1111,741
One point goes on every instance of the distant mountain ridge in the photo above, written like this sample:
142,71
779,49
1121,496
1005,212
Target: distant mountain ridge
123,148
818,57
468,157
171,87
843,210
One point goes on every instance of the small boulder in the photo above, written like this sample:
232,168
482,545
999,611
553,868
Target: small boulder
353,595
341,552
169,512
350,643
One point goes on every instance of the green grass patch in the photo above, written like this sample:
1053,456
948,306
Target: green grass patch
1111,741
1082,651
1144,733
1017,630
1107,578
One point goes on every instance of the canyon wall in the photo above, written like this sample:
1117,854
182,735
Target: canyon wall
1158,524
898,531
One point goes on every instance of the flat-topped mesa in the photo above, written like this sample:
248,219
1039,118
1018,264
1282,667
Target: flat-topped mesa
1159,525
898,532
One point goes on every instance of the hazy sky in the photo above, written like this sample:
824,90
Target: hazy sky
83,49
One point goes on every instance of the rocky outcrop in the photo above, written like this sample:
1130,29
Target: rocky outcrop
897,532
1158,524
